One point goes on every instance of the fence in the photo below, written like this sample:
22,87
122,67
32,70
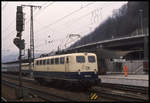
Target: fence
134,67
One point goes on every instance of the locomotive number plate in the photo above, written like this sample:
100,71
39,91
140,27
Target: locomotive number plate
87,68
87,75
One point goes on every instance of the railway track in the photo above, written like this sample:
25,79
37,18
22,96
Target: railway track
120,93
135,89
69,96
41,94
14,77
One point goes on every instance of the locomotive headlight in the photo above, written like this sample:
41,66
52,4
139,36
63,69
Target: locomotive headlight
95,71
79,72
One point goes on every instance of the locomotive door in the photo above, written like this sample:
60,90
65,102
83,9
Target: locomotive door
67,64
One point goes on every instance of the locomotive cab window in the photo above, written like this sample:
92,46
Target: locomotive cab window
91,59
80,59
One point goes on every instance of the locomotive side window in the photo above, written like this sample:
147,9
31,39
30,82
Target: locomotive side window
62,60
91,59
52,61
80,59
56,60
44,61
48,61
40,62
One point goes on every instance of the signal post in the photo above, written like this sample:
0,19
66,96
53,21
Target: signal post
19,42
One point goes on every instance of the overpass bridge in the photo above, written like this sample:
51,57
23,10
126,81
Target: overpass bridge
130,48
120,44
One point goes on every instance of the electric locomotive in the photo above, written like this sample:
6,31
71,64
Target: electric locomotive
75,67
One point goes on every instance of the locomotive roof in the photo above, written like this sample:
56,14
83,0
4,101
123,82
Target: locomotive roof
64,55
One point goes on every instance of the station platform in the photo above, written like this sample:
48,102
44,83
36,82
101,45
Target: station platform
135,80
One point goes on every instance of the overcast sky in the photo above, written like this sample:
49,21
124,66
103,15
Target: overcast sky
53,23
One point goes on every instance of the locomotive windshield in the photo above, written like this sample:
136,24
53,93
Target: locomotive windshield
80,59
91,59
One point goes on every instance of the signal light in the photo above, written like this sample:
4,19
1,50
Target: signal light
19,19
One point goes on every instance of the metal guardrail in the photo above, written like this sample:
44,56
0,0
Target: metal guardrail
108,40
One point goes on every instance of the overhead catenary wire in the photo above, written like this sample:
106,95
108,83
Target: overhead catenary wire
62,18
99,10
65,39
82,17
61,41
4,5
13,31
68,14
10,24
73,12
45,6
40,11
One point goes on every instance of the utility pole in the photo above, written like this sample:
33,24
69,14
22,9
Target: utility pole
141,20
31,35
146,53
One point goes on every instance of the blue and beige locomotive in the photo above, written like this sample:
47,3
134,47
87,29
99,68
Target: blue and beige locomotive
75,67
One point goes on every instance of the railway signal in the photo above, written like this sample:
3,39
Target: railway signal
19,43
19,19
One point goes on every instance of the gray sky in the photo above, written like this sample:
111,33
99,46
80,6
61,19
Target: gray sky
53,22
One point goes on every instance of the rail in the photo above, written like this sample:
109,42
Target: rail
135,89
39,93
119,95
115,92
